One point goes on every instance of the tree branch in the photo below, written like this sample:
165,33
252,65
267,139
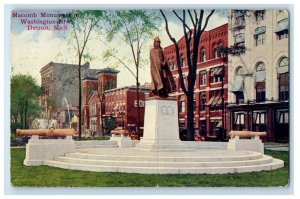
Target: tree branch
183,22
177,54
191,17
207,19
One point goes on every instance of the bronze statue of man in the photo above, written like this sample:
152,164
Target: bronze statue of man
162,80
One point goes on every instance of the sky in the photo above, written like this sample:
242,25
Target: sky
30,50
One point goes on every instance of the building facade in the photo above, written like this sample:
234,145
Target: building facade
259,79
211,84
101,99
93,106
122,104
59,84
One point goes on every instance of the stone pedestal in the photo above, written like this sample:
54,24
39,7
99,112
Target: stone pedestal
253,144
124,141
161,130
38,151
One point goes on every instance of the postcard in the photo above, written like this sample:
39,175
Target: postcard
150,98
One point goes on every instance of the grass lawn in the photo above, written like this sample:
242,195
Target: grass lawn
45,176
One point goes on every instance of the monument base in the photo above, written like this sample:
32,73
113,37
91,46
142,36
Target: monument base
253,144
161,130
38,151
122,140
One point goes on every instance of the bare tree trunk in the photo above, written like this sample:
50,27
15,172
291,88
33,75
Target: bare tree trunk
138,102
190,113
79,96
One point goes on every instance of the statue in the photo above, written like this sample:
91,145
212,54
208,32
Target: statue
162,80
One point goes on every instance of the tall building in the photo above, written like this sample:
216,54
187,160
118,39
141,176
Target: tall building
93,88
59,84
211,84
102,99
259,79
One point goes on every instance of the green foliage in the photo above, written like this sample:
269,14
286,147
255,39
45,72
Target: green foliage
83,23
41,176
132,25
24,99
134,28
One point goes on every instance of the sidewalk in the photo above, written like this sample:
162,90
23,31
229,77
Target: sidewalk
277,146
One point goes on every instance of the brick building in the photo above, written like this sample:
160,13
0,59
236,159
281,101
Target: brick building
101,99
122,104
259,79
93,88
211,83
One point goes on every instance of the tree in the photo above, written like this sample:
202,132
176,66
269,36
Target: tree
134,28
192,35
83,22
25,94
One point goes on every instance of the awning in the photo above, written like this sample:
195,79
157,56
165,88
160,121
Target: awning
260,30
219,124
116,108
282,25
213,71
237,84
260,76
211,100
283,69
219,101
240,38
218,71
215,100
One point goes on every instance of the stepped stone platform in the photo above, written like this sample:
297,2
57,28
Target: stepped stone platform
134,160
159,151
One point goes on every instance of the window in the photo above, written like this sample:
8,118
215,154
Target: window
239,18
107,85
259,15
283,78
213,125
202,101
216,74
172,65
282,29
259,121
182,104
282,116
239,39
182,63
238,85
260,36
202,55
260,84
203,78
239,121
221,54
112,84
202,127
215,52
